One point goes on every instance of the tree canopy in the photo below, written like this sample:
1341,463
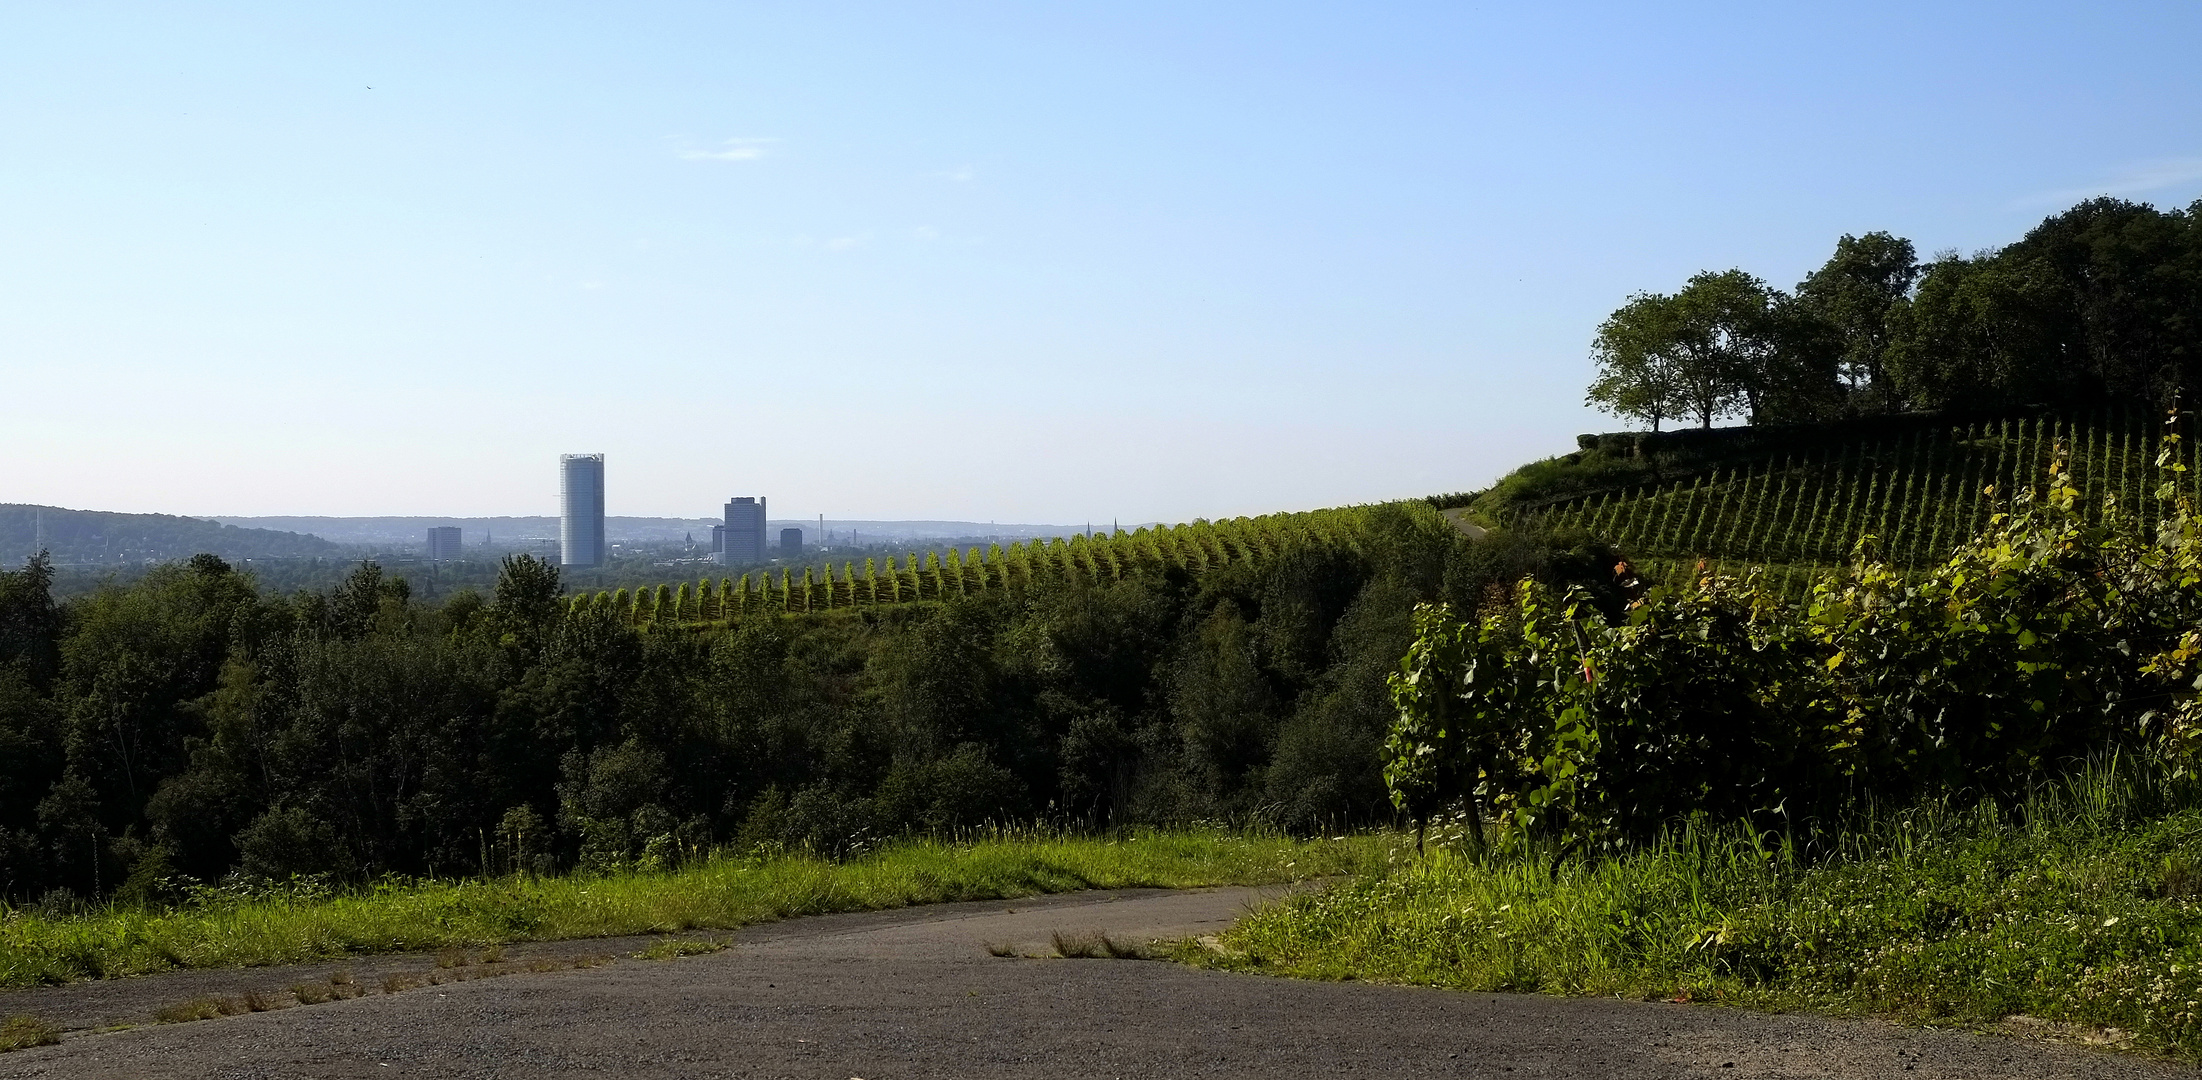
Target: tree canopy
1639,370
2101,304
1724,346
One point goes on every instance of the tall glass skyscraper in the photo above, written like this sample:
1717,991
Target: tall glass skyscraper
581,510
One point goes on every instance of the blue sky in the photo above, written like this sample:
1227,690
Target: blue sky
1044,262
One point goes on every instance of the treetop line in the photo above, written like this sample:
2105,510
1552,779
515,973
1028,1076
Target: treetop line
2101,304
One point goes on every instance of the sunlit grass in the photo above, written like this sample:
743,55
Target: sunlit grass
2079,907
722,892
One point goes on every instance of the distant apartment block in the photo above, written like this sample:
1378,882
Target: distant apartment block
718,540
742,538
581,510
791,543
443,543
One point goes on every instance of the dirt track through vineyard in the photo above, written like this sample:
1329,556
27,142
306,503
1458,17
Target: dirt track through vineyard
916,993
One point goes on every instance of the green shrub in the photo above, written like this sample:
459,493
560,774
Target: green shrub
291,841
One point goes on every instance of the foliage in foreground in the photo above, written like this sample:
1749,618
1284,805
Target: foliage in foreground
2080,905
2051,636
301,922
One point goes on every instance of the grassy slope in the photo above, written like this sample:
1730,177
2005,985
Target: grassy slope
288,927
2084,907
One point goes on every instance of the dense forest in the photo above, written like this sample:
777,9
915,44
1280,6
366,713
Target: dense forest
2098,306
192,726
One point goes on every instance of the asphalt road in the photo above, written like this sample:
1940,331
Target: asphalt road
1459,517
917,993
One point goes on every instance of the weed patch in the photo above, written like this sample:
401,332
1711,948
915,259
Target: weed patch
198,1008
24,1032
671,948
1092,947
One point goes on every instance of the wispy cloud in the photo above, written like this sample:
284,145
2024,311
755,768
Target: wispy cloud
2138,179
733,150
925,232
961,174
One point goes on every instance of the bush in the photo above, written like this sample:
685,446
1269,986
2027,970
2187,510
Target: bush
153,881
829,821
946,794
291,842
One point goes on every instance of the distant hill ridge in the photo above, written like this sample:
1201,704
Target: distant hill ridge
93,538
103,538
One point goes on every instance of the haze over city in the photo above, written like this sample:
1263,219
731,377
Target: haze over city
984,262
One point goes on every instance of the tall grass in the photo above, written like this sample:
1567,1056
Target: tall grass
274,926
2078,904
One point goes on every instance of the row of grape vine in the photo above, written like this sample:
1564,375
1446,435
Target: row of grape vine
1918,495
951,573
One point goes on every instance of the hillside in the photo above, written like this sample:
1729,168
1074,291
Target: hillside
96,538
1799,498
942,574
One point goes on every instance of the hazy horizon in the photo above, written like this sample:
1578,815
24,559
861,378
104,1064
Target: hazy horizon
408,528
1067,263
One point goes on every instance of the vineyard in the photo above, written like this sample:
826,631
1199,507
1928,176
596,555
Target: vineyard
1918,494
950,573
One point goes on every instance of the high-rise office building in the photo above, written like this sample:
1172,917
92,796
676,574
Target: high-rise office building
744,531
581,510
443,543
791,543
